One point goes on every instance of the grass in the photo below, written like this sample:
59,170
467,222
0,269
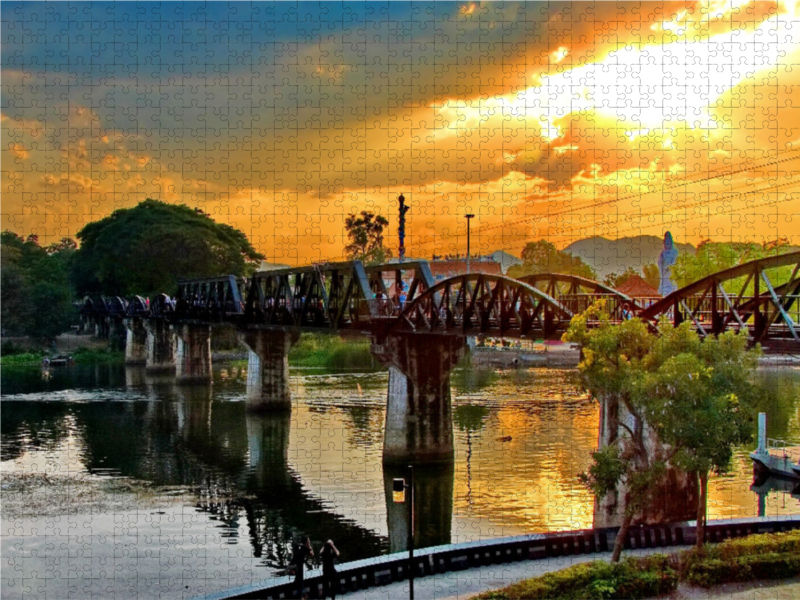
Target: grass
22,359
756,557
765,556
93,356
332,352
630,578
81,356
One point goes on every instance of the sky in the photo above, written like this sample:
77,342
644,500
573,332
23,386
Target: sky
553,120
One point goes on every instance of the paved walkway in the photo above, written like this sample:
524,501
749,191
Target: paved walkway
458,585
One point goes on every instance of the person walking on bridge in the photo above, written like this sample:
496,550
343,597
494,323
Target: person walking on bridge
302,552
330,581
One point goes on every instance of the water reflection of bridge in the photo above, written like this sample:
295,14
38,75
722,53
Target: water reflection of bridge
238,467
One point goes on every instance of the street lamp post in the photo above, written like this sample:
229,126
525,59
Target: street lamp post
469,218
399,488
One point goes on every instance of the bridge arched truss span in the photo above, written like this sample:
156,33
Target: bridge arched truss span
744,297
576,294
480,304
137,307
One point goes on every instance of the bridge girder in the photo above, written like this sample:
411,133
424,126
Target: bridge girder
721,301
578,293
481,304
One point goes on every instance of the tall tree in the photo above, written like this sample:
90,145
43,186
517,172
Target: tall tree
617,279
36,296
542,256
712,257
365,234
148,248
652,275
683,404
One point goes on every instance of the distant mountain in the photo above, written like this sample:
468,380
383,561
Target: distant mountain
614,256
268,266
505,259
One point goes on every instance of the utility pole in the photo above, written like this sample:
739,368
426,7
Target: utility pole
401,230
469,218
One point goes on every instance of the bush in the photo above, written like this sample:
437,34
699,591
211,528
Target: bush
332,352
630,578
18,360
10,348
766,556
87,356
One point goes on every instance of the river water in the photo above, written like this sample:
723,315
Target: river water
116,482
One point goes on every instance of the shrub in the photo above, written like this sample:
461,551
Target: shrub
631,578
85,356
25,358
709,572
10,348
765,556
332,352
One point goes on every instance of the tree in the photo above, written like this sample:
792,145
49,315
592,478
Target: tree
148,248
36,296
652,276
542,256
687,404
365,233
617,279
712,257
700,402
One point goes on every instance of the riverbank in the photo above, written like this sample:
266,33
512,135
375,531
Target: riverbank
462,585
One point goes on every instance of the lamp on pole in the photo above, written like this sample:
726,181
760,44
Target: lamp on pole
399,488
469,218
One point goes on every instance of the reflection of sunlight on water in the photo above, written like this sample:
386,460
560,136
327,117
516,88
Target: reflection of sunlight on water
521,439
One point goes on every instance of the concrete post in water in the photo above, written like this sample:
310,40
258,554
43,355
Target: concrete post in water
135,342
193,353
762,433
160,351
117,332
419,418
268,368
433,506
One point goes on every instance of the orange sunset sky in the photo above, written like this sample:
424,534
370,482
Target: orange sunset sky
558,120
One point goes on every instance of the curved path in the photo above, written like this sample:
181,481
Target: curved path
460,570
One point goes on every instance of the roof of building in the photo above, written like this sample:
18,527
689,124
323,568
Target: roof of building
442,269
636,287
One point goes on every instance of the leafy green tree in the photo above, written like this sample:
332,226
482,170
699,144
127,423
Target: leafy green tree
700,401
542,256
686,405
148,248
36,295
365,233
651,275
617,279
712,257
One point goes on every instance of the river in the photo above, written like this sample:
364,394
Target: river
120,483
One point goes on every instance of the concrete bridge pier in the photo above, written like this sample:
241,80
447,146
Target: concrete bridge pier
160,349
135,341
101,328
117,332
419,418
193,353
268,368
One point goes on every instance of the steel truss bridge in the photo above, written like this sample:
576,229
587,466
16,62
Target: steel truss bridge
350,297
